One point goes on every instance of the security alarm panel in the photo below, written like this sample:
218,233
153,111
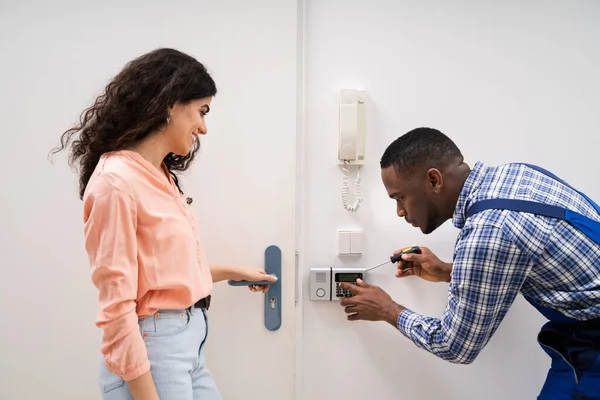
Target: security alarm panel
325,282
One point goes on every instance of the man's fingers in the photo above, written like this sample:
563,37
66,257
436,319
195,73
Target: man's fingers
406,263
403,273
351,309
362,283
347,301
359,287
410,257
354,317
354,289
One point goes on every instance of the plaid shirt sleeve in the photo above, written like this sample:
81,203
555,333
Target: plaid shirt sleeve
487,274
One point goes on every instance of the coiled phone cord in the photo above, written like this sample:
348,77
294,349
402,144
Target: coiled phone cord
346,187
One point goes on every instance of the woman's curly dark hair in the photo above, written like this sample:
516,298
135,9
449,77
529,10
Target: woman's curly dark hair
134,104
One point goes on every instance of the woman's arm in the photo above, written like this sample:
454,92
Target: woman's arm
142,388
110,219
223,272
240,273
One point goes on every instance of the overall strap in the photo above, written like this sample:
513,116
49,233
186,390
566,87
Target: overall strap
549,313
587,226
556,178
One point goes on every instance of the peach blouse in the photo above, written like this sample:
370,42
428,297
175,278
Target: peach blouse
145,253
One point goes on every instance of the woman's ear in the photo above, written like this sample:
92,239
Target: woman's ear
170,109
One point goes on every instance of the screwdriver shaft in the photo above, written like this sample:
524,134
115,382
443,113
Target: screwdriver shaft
378,265
394,259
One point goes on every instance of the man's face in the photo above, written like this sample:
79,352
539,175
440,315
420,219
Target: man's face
415,197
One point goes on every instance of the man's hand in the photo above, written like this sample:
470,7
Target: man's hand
425,265
370,303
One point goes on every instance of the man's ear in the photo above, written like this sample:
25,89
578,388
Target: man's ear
434,176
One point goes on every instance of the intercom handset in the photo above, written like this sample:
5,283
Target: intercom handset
351,142
352,127
325,282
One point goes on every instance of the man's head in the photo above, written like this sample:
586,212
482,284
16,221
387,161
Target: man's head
424,172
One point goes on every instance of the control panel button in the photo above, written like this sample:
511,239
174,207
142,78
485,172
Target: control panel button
320,292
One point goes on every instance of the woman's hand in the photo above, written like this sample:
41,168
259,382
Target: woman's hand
253,274
425,265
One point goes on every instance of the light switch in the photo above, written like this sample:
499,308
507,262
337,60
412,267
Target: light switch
356,242
343,242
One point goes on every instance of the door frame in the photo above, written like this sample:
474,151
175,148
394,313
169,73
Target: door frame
300,200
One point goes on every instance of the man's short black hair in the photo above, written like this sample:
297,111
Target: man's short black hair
421,147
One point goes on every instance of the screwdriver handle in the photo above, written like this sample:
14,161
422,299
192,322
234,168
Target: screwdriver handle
408,250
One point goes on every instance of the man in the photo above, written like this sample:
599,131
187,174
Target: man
503,248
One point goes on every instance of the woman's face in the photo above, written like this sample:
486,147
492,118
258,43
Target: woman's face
187,123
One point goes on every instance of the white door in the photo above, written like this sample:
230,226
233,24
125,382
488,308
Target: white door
243,186
59,56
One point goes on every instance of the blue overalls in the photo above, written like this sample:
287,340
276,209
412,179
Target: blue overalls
573,345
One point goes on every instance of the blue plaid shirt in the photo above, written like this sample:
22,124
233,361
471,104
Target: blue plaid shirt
499,253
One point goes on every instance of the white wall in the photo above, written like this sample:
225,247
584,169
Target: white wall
522,76
56,56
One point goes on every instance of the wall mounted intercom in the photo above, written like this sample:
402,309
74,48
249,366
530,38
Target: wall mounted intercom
325,282
351,141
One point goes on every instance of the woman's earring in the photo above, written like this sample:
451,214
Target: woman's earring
169,119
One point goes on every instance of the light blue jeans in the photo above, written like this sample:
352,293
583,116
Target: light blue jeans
175,342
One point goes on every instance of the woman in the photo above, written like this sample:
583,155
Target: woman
141,235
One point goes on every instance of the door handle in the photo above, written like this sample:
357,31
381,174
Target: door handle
250,283
272,305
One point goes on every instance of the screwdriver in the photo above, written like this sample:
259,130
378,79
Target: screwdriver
394,259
